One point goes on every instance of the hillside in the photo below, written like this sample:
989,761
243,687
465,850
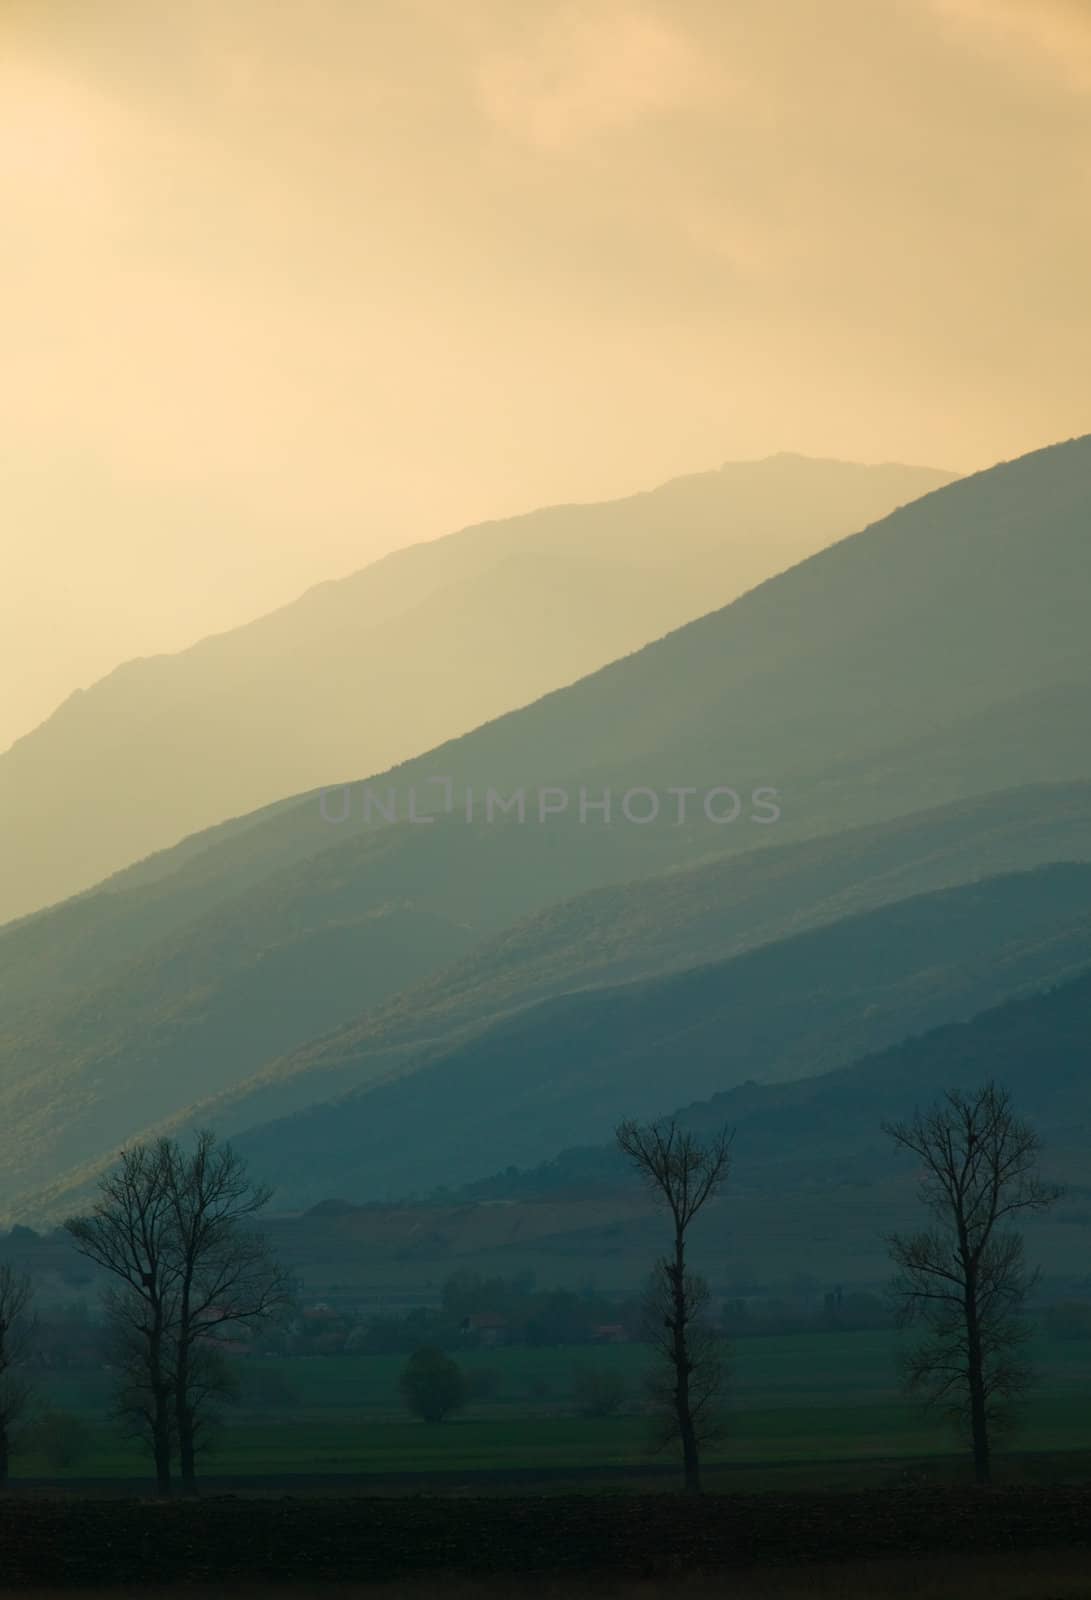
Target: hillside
821,1133
863,609
668,922
814,1185
928,658
223,1011
572,1067
475,1060
415,649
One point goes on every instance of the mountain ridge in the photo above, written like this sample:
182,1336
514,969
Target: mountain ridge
257,712
822,672
865,977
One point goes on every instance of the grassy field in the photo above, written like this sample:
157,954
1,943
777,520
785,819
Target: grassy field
807,1405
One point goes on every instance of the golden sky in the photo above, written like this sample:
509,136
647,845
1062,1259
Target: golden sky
287,283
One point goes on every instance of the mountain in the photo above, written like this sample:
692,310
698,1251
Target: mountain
815,1183
412,650
572,1067
223,1016
814,1188
824,1132
912,664
891,611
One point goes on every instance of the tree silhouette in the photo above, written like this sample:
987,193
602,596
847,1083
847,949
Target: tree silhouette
15,1294
683,1173
129,1233
227,1278
432,1384
965,1277
171,1227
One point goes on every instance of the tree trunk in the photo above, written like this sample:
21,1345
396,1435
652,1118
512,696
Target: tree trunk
187,1454
183,1412
682,1367
161,1446
161,1430
975,1374
3,1453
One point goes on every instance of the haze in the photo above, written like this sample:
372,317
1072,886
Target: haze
286,287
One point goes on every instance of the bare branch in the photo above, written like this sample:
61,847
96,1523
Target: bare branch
965,1278
684,1174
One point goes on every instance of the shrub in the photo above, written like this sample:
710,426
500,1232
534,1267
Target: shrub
432,1385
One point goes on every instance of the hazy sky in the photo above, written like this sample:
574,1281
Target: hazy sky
286,283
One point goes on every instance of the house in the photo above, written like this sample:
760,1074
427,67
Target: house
609,1333
488,1328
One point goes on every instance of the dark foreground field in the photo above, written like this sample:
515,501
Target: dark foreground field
1032,1576
422,1543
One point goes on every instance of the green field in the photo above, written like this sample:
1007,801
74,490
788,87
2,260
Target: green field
795,1403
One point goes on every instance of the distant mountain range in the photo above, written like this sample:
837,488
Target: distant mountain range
814,1186
823,1132
815,1183
417,648
564,1069
204,1027
279,962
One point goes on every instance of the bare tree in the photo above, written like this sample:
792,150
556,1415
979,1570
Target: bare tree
15,1294
138,1405
683,1173
227,1279
130,1234
705,1351
171,1227
965,1277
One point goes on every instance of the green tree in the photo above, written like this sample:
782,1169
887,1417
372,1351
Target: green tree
432,1384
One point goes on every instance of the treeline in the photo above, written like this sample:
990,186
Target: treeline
837,1311
188,1275
476,1311
70,1338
